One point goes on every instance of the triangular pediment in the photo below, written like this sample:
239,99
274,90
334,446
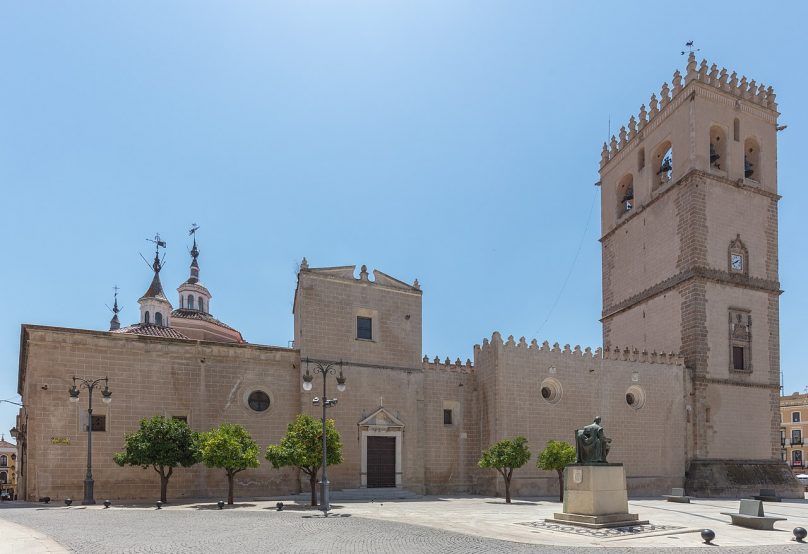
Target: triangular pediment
381,418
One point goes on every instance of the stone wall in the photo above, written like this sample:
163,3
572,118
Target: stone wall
206,382
650,441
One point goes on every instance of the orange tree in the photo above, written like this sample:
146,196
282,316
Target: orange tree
505,456
302,447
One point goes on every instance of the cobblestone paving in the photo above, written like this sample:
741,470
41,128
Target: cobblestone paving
126,530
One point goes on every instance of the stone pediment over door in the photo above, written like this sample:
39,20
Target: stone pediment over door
381,418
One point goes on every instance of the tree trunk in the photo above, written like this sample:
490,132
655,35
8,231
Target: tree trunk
230,488
560,485
313,484
164,482
507,487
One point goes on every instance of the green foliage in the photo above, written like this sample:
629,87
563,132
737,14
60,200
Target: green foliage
556,456
229,447
302,446
505,455
160,442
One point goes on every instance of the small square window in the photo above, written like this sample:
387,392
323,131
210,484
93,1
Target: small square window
795,417
99,423
364,328
180,418
738,358
447,417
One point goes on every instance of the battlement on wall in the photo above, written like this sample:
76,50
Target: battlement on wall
456,367
626,354
742,88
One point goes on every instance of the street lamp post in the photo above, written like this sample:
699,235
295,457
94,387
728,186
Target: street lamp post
106,398
324,368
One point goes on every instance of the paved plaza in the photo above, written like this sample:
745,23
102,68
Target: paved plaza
429,524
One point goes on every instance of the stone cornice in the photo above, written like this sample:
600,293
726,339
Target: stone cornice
697,272
683,180
735,383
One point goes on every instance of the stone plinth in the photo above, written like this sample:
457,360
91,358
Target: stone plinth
595,496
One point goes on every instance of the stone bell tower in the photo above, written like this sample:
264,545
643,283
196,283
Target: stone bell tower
689,245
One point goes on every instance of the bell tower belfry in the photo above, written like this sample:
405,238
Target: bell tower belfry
690,257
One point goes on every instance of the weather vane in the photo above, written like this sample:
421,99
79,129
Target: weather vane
690,49
194,228
157,265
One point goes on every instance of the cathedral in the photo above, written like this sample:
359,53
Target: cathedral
686,385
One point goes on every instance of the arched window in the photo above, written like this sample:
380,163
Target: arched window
158,318
718,148
201,304
736,130
640,159
625,195
182,301
190,301
751,159
664,164
146,318
3,461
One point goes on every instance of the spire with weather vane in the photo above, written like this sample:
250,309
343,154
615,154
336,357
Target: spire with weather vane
154,306
194,296
194,278
115,323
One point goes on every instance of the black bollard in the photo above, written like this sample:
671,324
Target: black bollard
220,503
800,534
68,501
708,535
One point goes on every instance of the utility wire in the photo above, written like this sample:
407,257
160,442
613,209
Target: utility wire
572,266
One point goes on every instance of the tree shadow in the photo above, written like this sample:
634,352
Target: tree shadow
513,502
215,506
300,508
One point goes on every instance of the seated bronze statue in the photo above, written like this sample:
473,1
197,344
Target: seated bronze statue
591,444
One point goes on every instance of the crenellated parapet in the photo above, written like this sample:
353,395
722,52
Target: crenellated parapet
626,354
720,79
448,365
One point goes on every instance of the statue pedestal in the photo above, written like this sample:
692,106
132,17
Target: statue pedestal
595,496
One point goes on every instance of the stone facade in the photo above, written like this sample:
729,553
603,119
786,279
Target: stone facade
689,242
793,426
205,382
689,223
8,467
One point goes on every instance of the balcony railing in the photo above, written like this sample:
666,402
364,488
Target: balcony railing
796,442
797,464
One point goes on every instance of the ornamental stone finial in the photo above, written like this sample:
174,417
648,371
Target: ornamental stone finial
691,68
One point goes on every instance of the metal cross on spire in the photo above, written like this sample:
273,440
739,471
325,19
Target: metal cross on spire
690,49
115,309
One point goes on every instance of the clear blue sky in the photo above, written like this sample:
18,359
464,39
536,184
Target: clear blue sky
453,142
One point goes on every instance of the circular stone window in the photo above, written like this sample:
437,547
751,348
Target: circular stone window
258,401
551,390
635,397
